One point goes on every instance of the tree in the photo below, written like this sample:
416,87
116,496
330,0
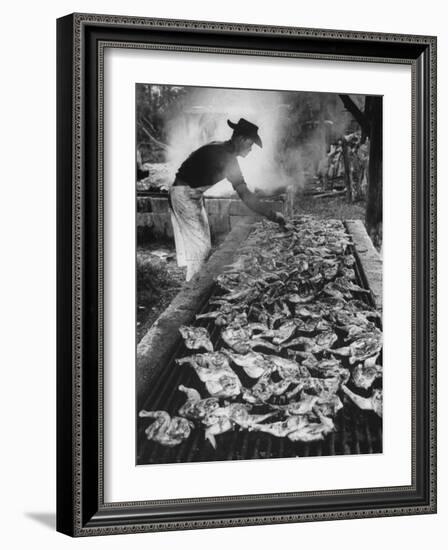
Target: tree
371,122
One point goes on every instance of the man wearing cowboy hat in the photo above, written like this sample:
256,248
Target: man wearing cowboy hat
206,166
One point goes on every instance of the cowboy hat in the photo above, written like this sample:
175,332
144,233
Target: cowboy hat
245,128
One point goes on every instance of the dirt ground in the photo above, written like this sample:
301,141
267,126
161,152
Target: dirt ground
159,279
331,207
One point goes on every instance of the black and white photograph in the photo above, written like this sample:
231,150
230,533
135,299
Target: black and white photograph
258,274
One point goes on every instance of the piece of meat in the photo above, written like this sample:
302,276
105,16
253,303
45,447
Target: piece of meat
316,386
327,368
322,342
299,428
224,419
373,403
364,346
365,374
196,408
215,371
165,430
288,369
240,339
196,338
254,364
264,389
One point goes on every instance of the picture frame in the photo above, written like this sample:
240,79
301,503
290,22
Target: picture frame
81,506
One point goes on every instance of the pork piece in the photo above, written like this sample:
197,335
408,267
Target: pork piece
365,374
214,370
373,403
322,342
299,428
240,339
224,419
165,430
327,368
196,408
264,389
367,345
196,338
254,364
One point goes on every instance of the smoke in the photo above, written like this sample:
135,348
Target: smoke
295,127
204,119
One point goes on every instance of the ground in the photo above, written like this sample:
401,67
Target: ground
159,278
331,207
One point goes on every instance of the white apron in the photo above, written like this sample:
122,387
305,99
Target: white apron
190,227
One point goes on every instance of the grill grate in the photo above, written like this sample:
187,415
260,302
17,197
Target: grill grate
357,431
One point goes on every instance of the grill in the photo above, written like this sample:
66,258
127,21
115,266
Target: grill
357,431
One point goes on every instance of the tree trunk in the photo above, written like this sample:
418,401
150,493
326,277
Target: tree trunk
374,207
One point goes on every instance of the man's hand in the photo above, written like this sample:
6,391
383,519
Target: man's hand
279,218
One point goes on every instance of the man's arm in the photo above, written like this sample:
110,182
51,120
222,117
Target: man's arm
257,206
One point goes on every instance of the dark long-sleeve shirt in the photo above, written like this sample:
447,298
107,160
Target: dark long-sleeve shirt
214,162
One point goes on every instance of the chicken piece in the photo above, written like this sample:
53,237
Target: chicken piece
196,338
373,403
217,422
264,389
312,431
348,273
165,430
303,405
349,260
282,428
226,314
345,285
196,408
312,325
335,291
254,364
304,295
226,418
330,272
328,403
299,428
214,370
327,368
281,334
288,369
365,346
365,374
322,342
315,386
239,338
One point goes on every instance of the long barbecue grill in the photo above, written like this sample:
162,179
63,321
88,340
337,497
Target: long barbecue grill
357,431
